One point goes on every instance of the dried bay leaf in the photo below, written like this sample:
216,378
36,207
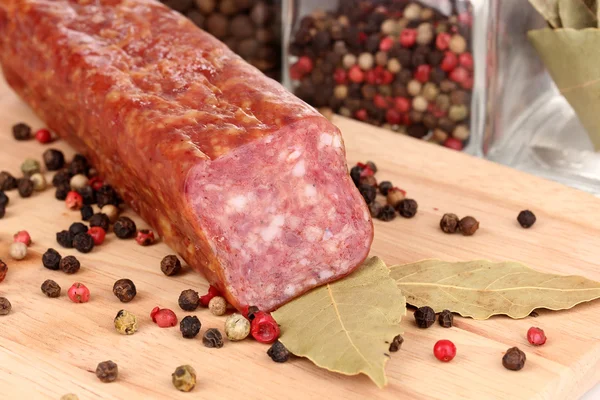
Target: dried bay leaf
346,326
578,14
480,289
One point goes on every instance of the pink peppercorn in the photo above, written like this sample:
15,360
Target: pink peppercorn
361,114
422,73
408,37
386,77
340,76
371,77
295,72
459,75
305,64
380,101
74,201
453,143
466,60
467,83
402,104
536,336
465,18
386,43
145,237
163,317
406,120
264,328
449,62
23,237
43,136
96,183
355,74
393,117
79,293
97,233
442,41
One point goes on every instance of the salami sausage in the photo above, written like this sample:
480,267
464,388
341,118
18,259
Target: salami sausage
248,183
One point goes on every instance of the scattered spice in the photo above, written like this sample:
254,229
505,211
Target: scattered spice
163,317
111,211
101,220
83,242
53,159
125,290
30,167
387,213
375,209
126,323
145,237
237,327
21,131
107,195
61,178
87,195
39,182
23,237
86,212
5,306
384,187
188,300
395,196
74,201
408,208
217,305
51,288
514,359
396,343
468,226
65,239
536,336
98,235
190,326
446,318
444,350
3,270
17,250
526,219
7,181
107,371
264,328
212,292
25,187
77,228
43,136
124,228
170,265
69,265
212,338
424,317
79,165
79,293
51,259
184,378
278,352
78,182
449,223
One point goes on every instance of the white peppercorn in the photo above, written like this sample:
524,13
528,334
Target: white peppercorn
412,11
430,91
458,112
414,87
340,92
365,61
394,65
458,44
349,61
426,13
237,327
442,102
390,27
111,211
345,112
39,182
217,305
439,136
18,250
420,104
461,132
424,33
79,181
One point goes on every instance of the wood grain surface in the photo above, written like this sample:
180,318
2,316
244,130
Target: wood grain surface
49,347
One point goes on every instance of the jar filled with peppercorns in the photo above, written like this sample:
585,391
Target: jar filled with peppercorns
251,28
406,65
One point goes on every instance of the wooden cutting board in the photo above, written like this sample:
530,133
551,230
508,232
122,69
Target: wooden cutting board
49,347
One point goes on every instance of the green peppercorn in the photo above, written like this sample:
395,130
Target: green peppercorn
184,378
30,167
126,323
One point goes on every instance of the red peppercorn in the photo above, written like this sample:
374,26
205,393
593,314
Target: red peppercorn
442,41
406,120
380,101
386,77
23,237
145,237
466,60
264,328
386,43
402,104
355,74
305,64
98,234
362,37
340,76
79,293
393,117
467,83
453,143
422,73
366,171
96,183
408,37
371,77
361,115
43,136
295,72
212,292
444,350
536,336
459,74
449,62
74,201
163,317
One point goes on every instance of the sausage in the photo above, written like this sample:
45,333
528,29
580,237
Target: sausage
248,183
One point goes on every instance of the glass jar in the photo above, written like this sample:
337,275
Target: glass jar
251,28
405,65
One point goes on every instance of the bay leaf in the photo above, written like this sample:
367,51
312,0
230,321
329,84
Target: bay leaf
572,59
549,10
578,14
480,289
346,326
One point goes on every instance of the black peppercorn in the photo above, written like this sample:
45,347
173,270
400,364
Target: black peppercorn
69,265
2,212
53,159
79,165
514,359
372,166
449,223
190,327
88,195
83,242
107,371
188,300
7,181
5,306
396,343
375,209
65,239
86,212
124,228
170,265
384,187
25,187
51,288
62,191
4,199
62,178
212,338
387,213
446,318
125,290
424,317
526,219
21,131
355,174
51,259
468,226
417,131
100,220
368,192
107,195
77,228
278,352
251,311
407,208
